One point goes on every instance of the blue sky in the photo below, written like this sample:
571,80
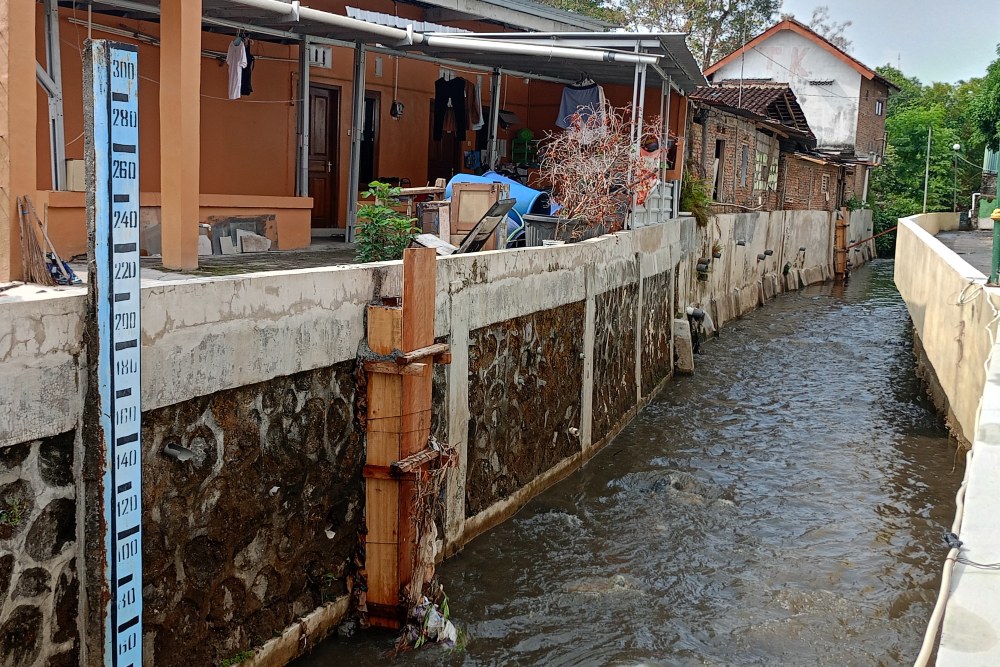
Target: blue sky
933,41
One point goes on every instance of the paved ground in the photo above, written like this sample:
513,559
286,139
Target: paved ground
975,247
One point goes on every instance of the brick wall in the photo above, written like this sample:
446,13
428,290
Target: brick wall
801,186
734,133
871,125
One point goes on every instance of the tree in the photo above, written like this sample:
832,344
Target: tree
597,9
715,27
897,188
832,31
984,108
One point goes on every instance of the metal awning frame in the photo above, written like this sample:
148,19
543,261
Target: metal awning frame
494,53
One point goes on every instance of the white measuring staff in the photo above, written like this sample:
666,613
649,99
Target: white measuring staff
116,252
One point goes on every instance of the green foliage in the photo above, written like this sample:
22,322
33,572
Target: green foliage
984,108
897,188
13,514
383,233
715,27
854,203
597,9
242,656
696,197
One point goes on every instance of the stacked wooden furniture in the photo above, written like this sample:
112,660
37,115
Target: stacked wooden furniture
469,202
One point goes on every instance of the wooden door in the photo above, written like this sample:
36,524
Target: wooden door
368,162
324,124
444,157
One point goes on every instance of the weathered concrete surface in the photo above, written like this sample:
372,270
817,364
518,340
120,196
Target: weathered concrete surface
953,314
258,527
41,341
970,634
656,362
615,380
739,281
684,347
39,585
975,247
955,321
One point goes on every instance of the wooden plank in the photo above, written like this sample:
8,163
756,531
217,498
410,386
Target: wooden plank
389,473
392,368
407,532
422,353
382,512
419,288
382,567
385,326
383,447
414,462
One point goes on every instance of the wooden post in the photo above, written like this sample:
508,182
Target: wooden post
399,418
840,246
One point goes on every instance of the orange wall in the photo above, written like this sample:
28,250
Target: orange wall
248,145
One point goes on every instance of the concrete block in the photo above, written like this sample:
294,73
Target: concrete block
250,242
204,245
683,347
227,246
767,284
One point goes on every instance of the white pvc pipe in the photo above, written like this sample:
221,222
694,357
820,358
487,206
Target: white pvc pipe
296,12
930,635
545,51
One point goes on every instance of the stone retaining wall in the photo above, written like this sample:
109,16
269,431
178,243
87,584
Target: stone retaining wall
553,351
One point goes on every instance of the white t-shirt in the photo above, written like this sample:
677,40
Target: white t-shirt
236,58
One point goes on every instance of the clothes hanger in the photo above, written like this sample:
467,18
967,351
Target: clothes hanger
584,80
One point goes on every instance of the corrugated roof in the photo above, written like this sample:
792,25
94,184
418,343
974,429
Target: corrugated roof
771,102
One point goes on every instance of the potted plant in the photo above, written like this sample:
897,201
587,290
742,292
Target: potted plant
717,250
383,232
594,172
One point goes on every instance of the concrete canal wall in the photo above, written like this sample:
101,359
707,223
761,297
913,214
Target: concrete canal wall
553,352
954,318
955,329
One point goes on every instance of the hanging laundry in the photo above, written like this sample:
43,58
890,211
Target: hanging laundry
236,58
582,101
246,85
473,95
450,93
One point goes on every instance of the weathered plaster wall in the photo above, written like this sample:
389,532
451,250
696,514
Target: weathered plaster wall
953,315
831,109
739,281
39,584
41,370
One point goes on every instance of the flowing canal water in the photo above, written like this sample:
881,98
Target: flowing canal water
783,506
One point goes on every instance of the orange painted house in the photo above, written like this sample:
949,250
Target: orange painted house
205,158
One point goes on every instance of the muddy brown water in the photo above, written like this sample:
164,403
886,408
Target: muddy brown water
784,506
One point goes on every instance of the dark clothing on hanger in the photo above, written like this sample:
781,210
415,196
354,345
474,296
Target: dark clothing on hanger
246,86
582,101
450,91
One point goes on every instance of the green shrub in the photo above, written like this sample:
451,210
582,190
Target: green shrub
382,233
696,197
